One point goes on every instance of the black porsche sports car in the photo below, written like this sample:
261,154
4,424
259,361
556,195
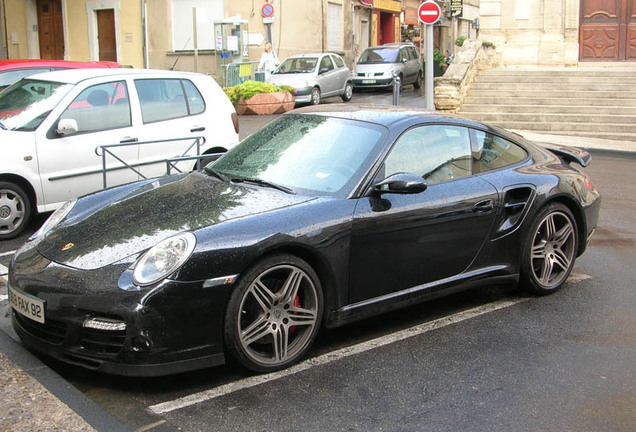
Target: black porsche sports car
324,216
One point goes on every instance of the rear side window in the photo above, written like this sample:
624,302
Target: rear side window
491,152
9,77
165,99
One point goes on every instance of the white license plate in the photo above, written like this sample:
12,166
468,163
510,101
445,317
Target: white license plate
29,306
368,81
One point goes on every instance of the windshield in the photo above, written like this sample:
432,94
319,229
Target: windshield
308,154
379,55
25,104
297,65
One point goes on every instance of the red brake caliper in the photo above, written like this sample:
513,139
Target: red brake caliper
292,329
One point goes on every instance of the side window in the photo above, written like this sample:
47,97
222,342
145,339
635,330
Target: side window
161,99
325,63
490,152
437,153
100,107
196,104
339,62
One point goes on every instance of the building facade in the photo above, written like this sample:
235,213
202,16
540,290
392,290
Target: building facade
560,32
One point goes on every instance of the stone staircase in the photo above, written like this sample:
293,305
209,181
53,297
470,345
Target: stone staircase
584,101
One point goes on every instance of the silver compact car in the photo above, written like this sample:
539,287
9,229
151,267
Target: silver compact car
378,65
315,76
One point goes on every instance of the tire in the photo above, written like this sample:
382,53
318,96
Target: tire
418,81
348,92
549,250
273,314
315,96
15,210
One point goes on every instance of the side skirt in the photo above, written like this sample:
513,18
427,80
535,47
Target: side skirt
496,275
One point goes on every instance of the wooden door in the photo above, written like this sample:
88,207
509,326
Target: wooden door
608,30
50,29
106,35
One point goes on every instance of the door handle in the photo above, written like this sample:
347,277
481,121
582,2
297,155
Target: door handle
128,140
197,129
484,206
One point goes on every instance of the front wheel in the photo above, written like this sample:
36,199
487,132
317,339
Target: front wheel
273,314
348,92
315,96
549,250
15,210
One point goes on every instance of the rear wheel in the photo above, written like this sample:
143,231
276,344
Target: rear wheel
418,81
15,210
348,92
315,96
273,314
549,250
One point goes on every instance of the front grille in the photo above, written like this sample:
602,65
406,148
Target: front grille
102,341
52,332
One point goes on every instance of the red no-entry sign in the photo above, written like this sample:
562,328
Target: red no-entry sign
429,12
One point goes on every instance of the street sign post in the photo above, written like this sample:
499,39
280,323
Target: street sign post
429,13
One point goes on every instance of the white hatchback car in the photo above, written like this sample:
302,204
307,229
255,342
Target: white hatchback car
52,127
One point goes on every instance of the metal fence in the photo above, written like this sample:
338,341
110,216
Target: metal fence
108,150
237,73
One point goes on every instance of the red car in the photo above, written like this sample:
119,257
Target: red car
14,70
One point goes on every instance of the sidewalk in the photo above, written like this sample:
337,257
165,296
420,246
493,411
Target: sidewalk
34,398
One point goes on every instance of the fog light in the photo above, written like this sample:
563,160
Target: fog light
106,324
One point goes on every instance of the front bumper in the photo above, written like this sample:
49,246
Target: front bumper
366,82
169,328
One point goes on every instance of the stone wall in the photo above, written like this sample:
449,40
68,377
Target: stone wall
451,88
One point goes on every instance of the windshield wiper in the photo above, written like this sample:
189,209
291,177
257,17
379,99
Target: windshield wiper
216,174
263,183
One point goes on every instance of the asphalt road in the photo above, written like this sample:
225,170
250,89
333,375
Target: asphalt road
486,360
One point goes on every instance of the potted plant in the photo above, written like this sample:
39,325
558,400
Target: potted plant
259,98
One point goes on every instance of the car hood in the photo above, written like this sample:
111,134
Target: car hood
375,68
103,233
296,80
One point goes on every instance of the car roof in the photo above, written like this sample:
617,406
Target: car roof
74,76
35,63
311,55
386,115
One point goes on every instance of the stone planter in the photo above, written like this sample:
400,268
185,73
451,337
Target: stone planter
266,103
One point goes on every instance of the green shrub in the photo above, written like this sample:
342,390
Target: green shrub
250,88
460,40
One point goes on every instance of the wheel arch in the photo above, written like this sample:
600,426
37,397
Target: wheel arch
25,185
577,212
319,264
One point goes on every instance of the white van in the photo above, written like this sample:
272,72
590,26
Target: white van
52,127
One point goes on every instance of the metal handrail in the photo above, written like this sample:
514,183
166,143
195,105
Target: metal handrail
105,150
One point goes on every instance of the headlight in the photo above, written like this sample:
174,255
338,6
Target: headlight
163,259
57,216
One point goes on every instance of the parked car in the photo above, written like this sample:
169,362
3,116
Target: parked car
378,65
14,70
323,217
315,76
52,127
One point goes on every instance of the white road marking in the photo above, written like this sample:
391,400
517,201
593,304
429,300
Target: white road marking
254,381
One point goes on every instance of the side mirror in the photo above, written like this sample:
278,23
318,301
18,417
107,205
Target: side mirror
67,127
401,183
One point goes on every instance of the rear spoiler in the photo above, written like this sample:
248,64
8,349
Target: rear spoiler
570,154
